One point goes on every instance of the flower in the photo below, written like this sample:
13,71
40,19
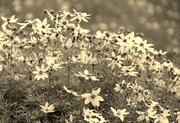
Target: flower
119,113
142,45
125,40
162,118
100,35
120,87
51,62
128,71
150,113
86,75
42,26
7,21
46,108
87,113
80,16
115,60
40,72
93,97
92,116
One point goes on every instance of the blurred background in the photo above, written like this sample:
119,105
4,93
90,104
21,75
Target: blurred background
158,20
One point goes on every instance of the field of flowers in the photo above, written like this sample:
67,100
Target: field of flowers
54,71
157,20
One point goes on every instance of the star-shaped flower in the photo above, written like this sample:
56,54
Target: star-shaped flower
93,97
7,21
79,16
150,113
41,72
46,108
119,113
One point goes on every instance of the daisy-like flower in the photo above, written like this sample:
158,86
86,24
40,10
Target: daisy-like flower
79,16
162,118
46,108
86,75
93,97
42,26
7,21
128,71
120,87
87,113
142,45
100,35
41,72
51,62
119,113
92,116
150,113
115,60
125,40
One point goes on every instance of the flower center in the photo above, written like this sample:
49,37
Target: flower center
46,110
141,44
93,96
88,117
125,40
118,113
40,72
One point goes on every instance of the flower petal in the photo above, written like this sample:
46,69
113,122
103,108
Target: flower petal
87,100
37,68
46,105
86,95
95,103
96,92
99,98
42,67
113,110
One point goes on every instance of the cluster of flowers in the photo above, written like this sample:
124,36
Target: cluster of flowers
138,72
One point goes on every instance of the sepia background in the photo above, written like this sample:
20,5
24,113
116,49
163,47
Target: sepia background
158,20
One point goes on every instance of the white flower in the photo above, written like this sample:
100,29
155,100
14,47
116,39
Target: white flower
42,26
86,75
162,117
7,21
142,45
92,116
128,71
93,97
41,72
119,113
46,108
80,16
51,62
150,113
120,86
